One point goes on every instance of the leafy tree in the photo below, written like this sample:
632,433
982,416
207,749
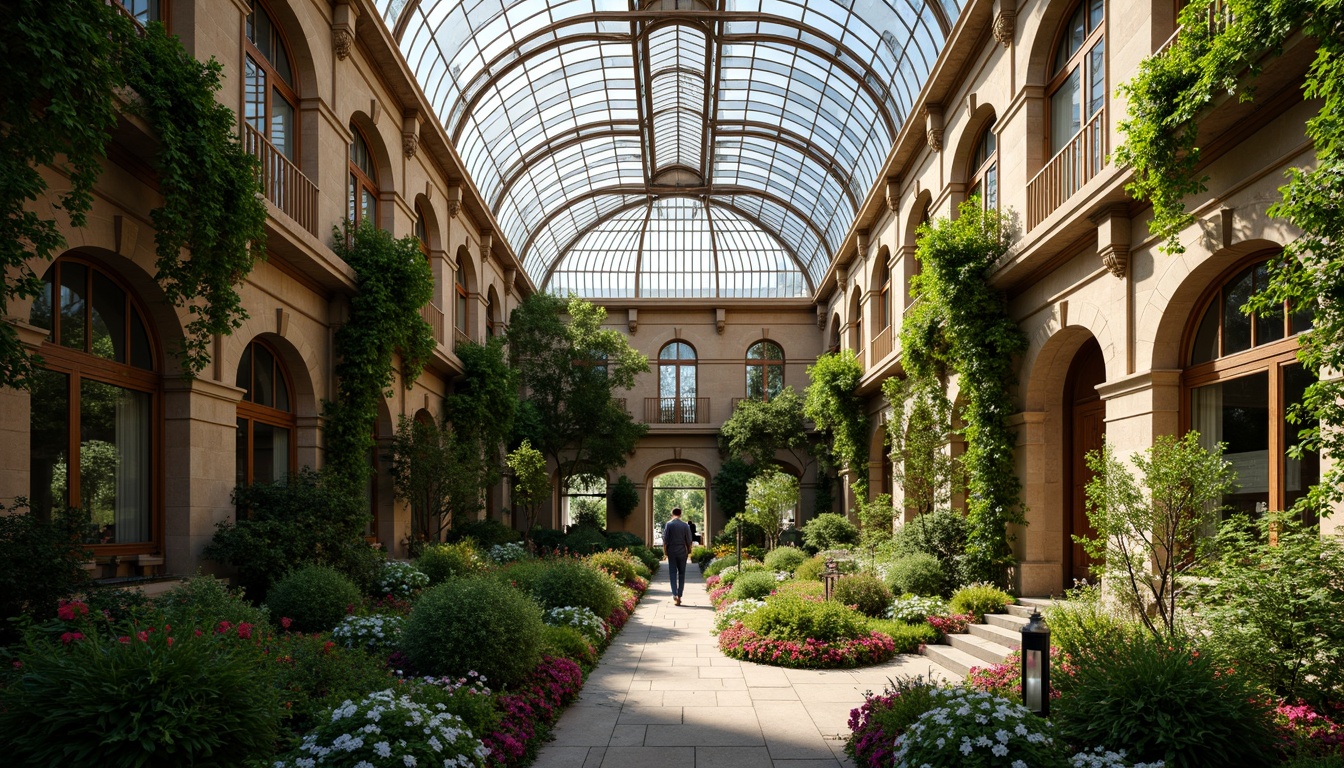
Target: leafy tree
759,430
876,519
835,407
569,366
1150,529
480,413
730,485
623,497
770,496
532,484
927,474
432,469
830,531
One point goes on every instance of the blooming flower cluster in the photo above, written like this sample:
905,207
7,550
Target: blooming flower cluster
719,594
1006,679
372,633
537,701
1304,730
508,553
579,618
401,579
473,683
741,643
735,612
388,729
1105,758
968,727
913,609
954,624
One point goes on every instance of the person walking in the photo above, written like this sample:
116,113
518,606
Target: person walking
677,544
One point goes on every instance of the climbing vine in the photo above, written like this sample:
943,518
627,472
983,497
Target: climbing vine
1165,100
961,325
833,405
394,283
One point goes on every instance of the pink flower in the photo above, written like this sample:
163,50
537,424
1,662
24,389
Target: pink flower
170,642
69,637
143,636
67,611
285,621
224,626
245,631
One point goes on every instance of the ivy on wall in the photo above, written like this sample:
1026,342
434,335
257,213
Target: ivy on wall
62,63
833,405
960,324
1161,145
395,281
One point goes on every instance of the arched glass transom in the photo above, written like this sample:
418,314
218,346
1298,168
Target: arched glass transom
573,117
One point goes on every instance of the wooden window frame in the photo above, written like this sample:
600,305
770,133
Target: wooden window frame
765,365
1078,60
360,182
254,414
274,83
979,178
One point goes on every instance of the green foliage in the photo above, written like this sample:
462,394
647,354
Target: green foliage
623,498
730,574
567,582
443,562
752,534
62,57
623,540
753,585
941,533
650,557
485,533
314,675
395,281
885,716
568,643
314,597
161,700
867,594
833,404
830,531
979,599
461,626
811,569
730,486
790,617
1276,611
41,562
918,573
719,563
1150,530
481,410
1162,700
569,366
976,728
428,472
758,430
770,495
615,565
785,559
908,637
547,539
308,518
961,324
921,464
1076,622
585,540
204,601
876,517
532,483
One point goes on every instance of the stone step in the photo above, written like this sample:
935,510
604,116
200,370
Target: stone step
1021,610
1036,602
1005,620
952,659
988,651
996,634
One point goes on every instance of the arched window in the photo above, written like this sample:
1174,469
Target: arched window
363,201
1243,375
266,423
422,230
676,384
491,316
460,292
269,95
95,407
1078,74
884,294
984,181
765,371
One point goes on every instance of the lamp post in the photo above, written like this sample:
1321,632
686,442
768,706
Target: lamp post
1036,665
828,578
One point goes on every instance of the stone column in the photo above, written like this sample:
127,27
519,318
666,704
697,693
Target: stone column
199,448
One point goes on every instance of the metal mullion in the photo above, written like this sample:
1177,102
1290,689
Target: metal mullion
639,254
639,46
713,246
1278,465
712,74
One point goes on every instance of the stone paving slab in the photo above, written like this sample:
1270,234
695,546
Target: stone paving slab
664,696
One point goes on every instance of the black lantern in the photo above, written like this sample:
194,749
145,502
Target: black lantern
1036,665
829,577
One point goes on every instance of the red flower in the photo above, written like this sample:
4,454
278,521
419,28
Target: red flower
143,636
224,626
123,639
170,642
69,637
285,621
245,631
67,611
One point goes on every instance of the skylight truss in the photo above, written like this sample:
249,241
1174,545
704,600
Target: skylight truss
672,147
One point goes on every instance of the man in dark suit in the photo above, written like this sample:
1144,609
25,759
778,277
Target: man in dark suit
677,544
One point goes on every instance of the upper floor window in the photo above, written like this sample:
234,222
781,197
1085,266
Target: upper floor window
1225,330
269,97
143,11
884,294
363,201
676,383
421,230
765,371
1078,77
460,294
985,170
266,422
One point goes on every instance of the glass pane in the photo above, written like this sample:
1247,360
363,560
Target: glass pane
73,286
1302,319
460,317
1096,78
775,375
1299,474
270,453
1205,347
992,188
755,381
114,461
1074,34
108,320
244,379
369,207
1237,324
48,442
240,453
350,209
667,381
281,388
282,125
1236,413
40,314
1268,325
1065,120
254,94
1095,14
142,354
280,57
688,381
263,376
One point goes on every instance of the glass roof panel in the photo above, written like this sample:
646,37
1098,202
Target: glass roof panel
570,114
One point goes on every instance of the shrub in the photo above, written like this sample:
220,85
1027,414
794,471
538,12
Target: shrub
731,573
467,697
375,634
810,569
41,561
401,579
718,564
1077,622
623,540
521,575
547,539
917,574
906,637
486,533
797,588
585,540
875,725
315,598
979,599
734,612
1162,702
442,562
405,731
702,556
154,699
586,622
568,643
572,582
966,727
508,553
614,564
785,559
913,609
866,593
650,557
797,618
204,601
741,642
462,625
754,584
830,531
941,533
314,673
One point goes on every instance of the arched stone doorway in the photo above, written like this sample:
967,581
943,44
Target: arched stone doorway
1084,431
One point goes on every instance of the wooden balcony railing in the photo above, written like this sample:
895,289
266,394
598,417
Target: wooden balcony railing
460,337
1217,19
882,343
284,183
1070,168
434,316
676,410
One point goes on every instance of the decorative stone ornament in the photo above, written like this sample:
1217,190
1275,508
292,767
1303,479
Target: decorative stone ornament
861,244
1005,21
720,320
1113,238
454,201
487,245
410,133
821,318
893,193
933,126
343,20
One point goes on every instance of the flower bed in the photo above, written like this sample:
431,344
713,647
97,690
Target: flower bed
527,714
739,642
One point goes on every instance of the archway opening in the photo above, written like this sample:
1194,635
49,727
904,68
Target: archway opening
679,489
1084,432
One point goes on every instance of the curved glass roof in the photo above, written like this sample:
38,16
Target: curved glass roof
669,148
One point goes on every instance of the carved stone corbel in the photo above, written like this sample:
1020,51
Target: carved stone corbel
1005,21
510,276
454,201
343,21
821,318
933,126
720,320
487,245
841,278
893,194
632,320
410,132
861,244
1113,237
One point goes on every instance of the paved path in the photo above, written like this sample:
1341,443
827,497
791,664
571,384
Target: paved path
663,696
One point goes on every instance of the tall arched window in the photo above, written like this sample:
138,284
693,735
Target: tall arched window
984,181
1243,375
268,82
676,384
422,230
460,294
765,371
95,408
1078,75
884,294
363,200
266,423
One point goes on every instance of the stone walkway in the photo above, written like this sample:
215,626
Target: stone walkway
663,696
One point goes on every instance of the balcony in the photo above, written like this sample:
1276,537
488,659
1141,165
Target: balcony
676,410
460,337
883,342
284,184
434,316
1072,167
